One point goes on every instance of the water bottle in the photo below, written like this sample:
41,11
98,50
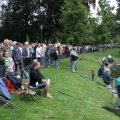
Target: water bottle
37,84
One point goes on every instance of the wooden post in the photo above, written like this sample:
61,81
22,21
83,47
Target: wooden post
93,74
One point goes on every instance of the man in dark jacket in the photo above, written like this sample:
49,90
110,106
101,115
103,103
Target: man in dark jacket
108,80
101,70
74,57
55,58
17,57
38,80
26,54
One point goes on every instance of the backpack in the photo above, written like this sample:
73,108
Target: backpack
4,90
9,84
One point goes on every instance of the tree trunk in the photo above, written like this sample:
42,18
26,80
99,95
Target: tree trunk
27,37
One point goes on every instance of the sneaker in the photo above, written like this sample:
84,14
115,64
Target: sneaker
113,88
49,96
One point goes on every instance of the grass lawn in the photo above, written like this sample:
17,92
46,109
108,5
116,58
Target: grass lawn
62,107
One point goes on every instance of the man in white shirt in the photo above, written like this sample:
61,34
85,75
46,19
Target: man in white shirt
38,53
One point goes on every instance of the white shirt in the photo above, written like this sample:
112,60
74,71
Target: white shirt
103,58
28,52
37,52
109,56
20,49
41,51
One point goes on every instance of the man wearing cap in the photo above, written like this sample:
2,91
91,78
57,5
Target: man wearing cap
108,80
17,56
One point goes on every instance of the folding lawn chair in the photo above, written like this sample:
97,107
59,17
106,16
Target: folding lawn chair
26,92
36,90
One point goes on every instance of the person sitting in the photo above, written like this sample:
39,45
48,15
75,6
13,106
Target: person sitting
110,59
104,61
37,77
108,80
118,86
101,70
118,92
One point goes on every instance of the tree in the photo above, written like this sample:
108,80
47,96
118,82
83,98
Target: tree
117,30
22,18
18,18
106,22
74,22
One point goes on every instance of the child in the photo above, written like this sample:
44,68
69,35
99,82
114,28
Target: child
8,62
2,65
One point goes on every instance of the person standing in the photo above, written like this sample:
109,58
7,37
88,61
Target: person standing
74,57
55,58
48,58
38,53
17,57
26,54
6,47
8,62
2,65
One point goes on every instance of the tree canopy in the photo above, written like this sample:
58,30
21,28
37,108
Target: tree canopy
74,22
66,21
23,18
106,23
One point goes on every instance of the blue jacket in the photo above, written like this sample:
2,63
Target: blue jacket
17,55
117,81
107,78
100,71
4,90
17,81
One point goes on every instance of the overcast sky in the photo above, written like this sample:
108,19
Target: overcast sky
113,3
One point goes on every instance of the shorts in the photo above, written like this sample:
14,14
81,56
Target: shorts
42,84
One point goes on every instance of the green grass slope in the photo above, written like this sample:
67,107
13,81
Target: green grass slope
86,103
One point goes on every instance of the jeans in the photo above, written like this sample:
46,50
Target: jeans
39,59
73,66
48,62
56,64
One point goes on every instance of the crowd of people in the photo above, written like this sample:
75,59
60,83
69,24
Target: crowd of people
105,71
15,55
